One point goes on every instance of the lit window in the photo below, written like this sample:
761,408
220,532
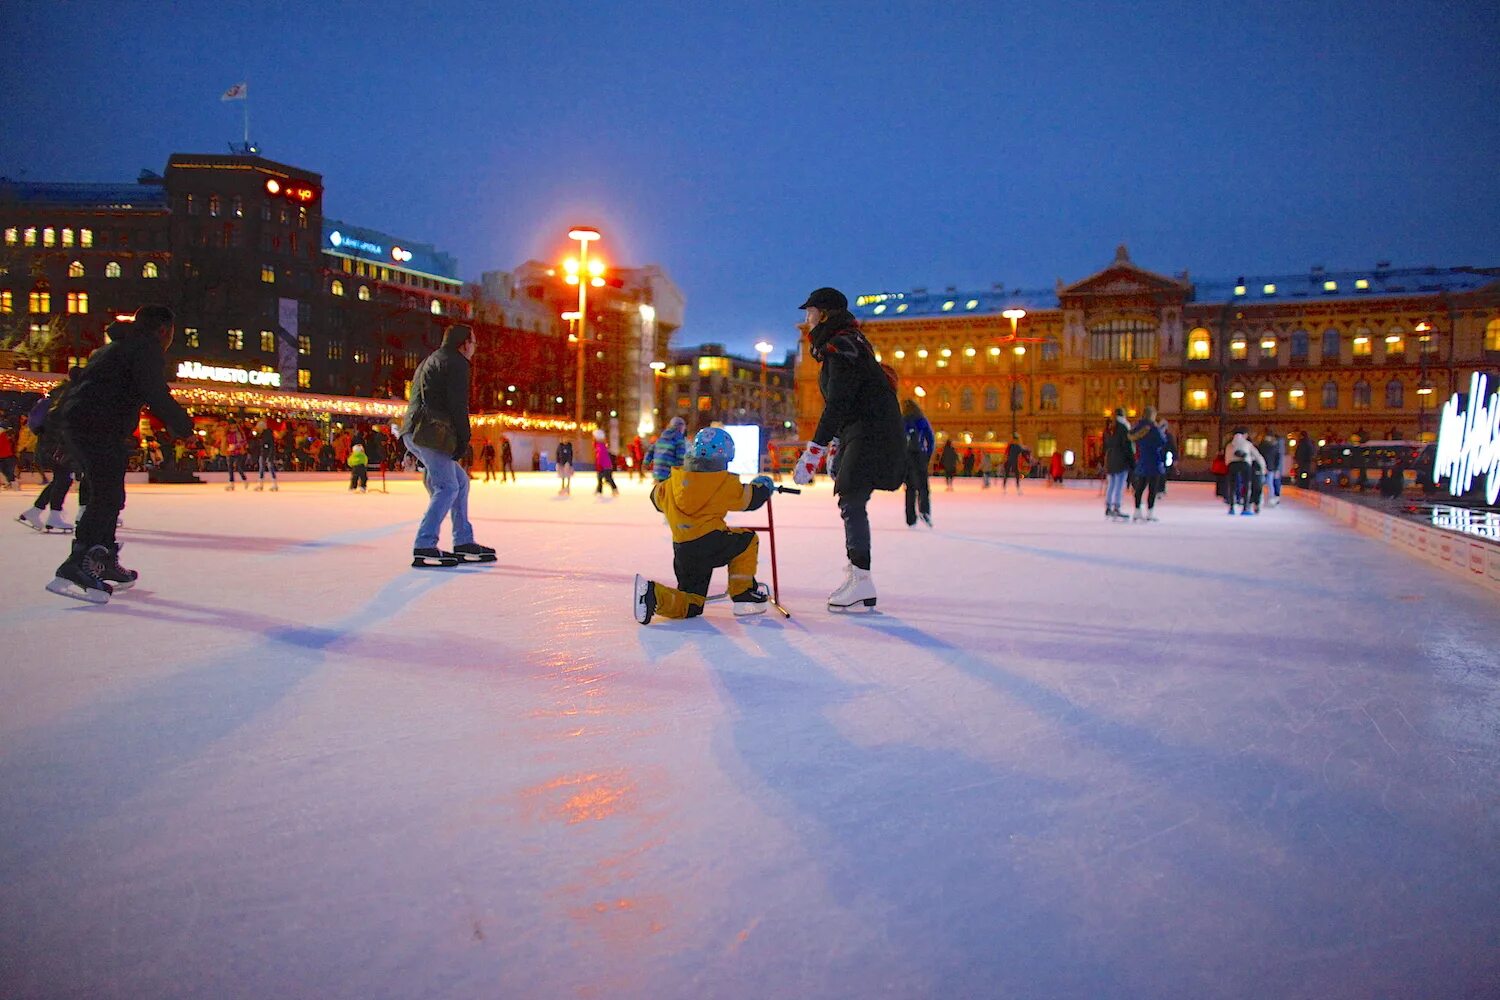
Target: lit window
948,305
30,236
1237,399
1267,398
1198,399
190,336
40,301
67,237
922,352
1046,445
994,352
7,302
1362,346
112,270
972,304
1330,286
437,307
75,269
267,340
1492,335
337,288
969,352
335,351
364,293
1395,345
49,237
1268,349
150,270
1361,395
1362,284
12,236
85,237
899,355
214,205
901,308
236,340
1239,289
1195,447
78,302
1237,348
1200,345
304,380
946,352
304,345
237,207
268,274
1296,397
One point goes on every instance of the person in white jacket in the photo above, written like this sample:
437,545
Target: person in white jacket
1243,459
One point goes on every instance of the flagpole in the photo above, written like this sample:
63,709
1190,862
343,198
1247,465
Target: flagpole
247,116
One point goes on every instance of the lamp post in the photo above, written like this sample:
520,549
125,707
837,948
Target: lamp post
764,348
583,272
658,370
1424,389
1018,350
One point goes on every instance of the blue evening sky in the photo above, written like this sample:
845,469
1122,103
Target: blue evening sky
759,150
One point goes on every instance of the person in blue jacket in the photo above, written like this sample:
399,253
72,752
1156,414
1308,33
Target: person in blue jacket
1150,463
919,445
670,450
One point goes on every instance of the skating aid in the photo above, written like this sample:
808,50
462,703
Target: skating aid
770,529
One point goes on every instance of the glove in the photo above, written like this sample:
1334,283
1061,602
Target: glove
807,463
764,481
833,450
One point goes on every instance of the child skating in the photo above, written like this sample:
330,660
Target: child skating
694,500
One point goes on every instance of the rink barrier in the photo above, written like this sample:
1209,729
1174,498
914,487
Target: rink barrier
1474,559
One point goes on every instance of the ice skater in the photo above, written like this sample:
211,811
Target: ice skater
234,453
264,443
695,499
487,456
359,469
604,465
50,453
1150,463
564,459
668,452
919,443
1119,458
507,460
8,458
1015,452
859,411
101,409
436,430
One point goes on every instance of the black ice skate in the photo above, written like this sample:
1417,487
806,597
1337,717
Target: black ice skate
644,605
118,577
432,558
78,578
752,601
472,552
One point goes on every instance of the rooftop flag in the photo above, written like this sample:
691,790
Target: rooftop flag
238,92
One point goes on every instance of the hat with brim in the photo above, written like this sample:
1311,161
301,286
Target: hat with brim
827,299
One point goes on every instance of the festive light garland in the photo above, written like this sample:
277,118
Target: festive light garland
194,395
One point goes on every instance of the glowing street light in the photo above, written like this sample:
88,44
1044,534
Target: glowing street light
1015,315
763,347
575,268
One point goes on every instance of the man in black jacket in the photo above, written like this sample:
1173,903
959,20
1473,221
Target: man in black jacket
860,432
100,412
436,430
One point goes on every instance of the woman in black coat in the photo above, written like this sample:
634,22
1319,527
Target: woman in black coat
860,432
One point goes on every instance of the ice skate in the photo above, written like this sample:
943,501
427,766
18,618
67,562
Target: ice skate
32,518
858,591
927,519
116,576
274,487
643,606
1151,516
752,601
56,522
229,488
78,577
260,487
1137,516
472,552
433,558
1247,512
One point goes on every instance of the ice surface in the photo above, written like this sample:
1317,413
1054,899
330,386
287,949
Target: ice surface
1210,757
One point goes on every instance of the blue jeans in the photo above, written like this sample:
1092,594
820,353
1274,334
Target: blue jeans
448,493
1114,490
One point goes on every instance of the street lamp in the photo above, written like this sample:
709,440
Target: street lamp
1015,316
764,347
1424,388
583,273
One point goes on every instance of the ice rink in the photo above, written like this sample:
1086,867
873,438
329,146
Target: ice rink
1209,757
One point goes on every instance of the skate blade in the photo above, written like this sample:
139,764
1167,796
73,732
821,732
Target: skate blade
34,527
67,588
428,562
864,605
745,609
481,557
122,585
638,600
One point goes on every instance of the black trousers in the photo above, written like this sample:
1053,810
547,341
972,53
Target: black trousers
1143,482
853,508
101,460
605,476
918,495
694,562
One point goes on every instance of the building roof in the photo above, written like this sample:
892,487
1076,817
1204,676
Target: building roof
148,195
364,243
1284,287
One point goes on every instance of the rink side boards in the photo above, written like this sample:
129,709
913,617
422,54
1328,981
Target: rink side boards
1476,560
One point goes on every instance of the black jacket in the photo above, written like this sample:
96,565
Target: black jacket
1119,453
859,408
440,388
122,376
565,453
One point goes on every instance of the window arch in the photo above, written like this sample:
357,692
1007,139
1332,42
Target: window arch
1299,345
75,269
1237,396
1296,397
1330,395
1361,395
966,399
1200,344
1330,346
112,270
150,270
991,398
1049,396
1265,397
337,288
1395,394
1492,335
364,293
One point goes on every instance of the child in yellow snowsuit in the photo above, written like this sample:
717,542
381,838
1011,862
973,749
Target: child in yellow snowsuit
695,499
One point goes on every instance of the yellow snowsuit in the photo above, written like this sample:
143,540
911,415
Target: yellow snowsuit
695,504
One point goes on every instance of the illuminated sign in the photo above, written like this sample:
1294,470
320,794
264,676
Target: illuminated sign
208,373
400,254
343,242
1468,444
291,190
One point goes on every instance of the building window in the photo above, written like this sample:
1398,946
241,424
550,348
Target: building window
67,237
40,300
267,340
75,269
335,351
150,270
1330,395
1237,398
1362,344
49,237
78,302
991,398
237,207
1296,397
112,270
193,207
30,236
1395,394
361,356
1395,346
304,345
1197,399
1361,395
214,206
364,293
12,236
966,399
1299,345
85,237
437,307
301,218
1051,349
1122,340
1048,400
236,340
1046,445
1266,397
337,288
268,274
304,379
7,301
1238,347
1267,349
1200,345
1330,347
190,336
1195,446
1492,335
705,404
1429,345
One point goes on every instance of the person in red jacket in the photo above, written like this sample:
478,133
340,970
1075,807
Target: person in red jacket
1057,468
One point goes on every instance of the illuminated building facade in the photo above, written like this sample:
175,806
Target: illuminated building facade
1348,355
706,385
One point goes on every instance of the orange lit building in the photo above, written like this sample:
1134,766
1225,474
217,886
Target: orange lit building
1348,355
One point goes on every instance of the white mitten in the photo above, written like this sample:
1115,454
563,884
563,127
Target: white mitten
833,450
807,463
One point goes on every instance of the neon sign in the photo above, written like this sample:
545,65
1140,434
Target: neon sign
1468,444
400,254
208,373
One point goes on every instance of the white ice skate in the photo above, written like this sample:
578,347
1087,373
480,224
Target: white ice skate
752,602
55,522
643,606
275,488
1137,516
32,518
857,591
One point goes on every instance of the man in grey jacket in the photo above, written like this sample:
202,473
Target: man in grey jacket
436,430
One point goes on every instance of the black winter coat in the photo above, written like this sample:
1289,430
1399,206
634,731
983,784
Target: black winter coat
859,408
440,388
122,376
1119,453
